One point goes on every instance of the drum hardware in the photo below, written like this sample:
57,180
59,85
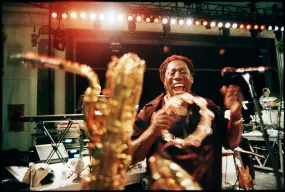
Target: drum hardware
254,122
247,77
244,104
269,102
247,128
268,99
281,105
270,117
259,148
281,119
254,118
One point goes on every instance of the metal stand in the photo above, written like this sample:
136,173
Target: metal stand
81,142
265,135
275,144
53,143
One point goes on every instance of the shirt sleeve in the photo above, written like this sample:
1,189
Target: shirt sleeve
221,123
142,122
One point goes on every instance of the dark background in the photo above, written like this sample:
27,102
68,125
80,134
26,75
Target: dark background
202,49
207,83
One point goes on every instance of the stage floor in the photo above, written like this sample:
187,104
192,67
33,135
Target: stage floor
264,180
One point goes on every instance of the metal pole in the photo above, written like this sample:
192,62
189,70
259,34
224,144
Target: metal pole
49,70
3,45
265,135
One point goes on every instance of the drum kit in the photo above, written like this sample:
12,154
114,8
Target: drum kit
270,115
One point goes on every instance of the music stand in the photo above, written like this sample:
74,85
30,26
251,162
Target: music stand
53,143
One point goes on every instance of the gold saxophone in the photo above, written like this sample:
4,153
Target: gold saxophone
166,174
110,132
112,155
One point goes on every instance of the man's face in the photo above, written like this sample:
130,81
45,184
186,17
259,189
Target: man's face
267,93
178,78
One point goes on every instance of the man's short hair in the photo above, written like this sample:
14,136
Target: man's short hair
163,66
265,89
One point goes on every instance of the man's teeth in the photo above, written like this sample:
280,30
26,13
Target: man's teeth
178,85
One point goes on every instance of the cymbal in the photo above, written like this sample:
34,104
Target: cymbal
269,105
268,99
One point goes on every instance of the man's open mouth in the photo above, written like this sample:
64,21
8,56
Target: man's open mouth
178,88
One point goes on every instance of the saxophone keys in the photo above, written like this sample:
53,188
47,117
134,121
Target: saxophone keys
87,179
99,145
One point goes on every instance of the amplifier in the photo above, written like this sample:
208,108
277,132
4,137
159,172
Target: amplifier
75,153
73,131
70,141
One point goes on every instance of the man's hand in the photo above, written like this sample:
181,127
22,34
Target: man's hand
233,100
160,121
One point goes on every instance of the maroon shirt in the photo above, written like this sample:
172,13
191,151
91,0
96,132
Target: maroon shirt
207,169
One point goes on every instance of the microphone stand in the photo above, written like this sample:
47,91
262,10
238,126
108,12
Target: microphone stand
249,81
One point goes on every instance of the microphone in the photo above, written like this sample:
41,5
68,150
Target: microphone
231,70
